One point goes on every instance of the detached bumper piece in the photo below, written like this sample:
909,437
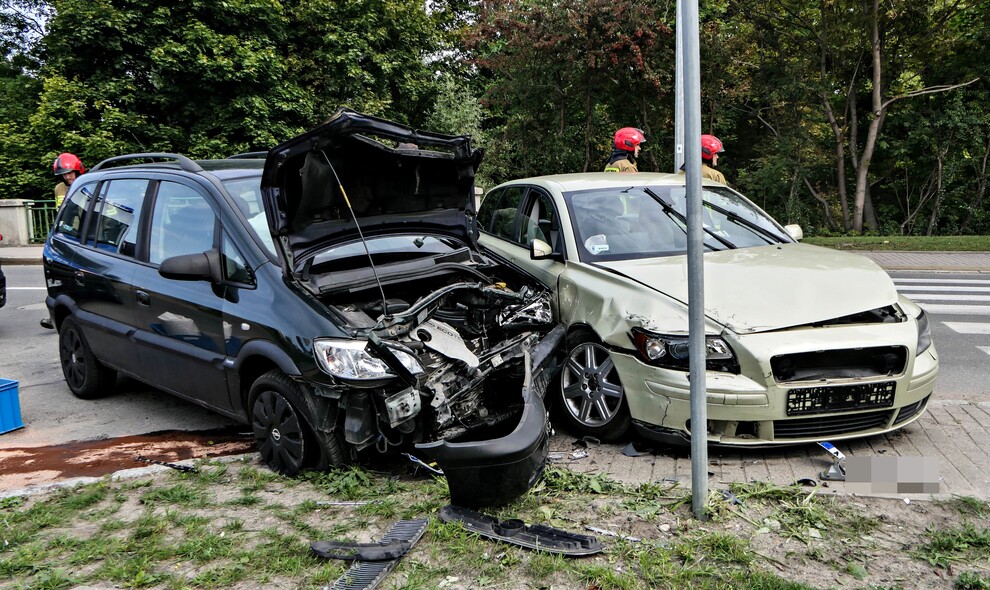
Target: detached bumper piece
516,532
372,561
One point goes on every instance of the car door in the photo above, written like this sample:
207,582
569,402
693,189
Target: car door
103,266
514,218
180,322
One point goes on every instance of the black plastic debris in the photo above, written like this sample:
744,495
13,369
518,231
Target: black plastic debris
587,442
516,532
176,466
635,449
372,561
807,482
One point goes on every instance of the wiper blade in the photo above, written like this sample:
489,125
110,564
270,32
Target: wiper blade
669,209
734,217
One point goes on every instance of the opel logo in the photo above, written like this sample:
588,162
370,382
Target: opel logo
276,435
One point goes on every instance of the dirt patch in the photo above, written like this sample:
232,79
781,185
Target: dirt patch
31,466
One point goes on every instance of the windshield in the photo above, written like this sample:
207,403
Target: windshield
646,222
247,195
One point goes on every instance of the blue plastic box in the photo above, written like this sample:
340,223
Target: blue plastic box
10,406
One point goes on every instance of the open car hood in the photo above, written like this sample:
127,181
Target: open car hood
772,287
395,178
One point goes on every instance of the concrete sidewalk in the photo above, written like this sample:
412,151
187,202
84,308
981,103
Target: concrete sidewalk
937,261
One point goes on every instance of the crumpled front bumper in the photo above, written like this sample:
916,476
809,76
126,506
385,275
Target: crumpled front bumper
494,471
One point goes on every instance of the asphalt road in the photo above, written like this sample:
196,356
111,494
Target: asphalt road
52,415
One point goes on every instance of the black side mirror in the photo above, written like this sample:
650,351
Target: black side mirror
203,266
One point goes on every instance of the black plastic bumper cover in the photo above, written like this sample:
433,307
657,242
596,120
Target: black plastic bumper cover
498,470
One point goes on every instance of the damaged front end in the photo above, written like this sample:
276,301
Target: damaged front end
460,375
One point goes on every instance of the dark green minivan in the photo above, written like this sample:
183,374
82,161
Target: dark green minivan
330,293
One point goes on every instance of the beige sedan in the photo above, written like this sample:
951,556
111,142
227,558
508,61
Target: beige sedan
804,343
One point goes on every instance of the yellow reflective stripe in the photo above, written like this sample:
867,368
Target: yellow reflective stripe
611,169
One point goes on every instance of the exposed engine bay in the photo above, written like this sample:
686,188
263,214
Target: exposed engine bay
470,328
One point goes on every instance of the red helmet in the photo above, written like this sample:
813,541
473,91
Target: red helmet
628,138
66,163
710,145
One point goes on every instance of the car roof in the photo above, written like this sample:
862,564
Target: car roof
598,180
221,168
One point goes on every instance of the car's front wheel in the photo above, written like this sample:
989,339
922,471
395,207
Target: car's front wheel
86,377
281,432
590,396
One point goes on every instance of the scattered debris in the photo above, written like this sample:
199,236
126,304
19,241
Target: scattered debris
807,482
837,471
176,466
731,498
372,561
516,532
587,442
634,450
342,503
579,454
420,463
608,533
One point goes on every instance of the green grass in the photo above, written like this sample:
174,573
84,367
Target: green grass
185,531
904,243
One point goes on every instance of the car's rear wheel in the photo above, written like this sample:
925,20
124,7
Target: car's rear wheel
282,432
86,377
590,396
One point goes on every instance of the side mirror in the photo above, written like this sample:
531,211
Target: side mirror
203,266
540,250
794,230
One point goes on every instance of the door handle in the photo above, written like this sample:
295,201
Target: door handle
143,297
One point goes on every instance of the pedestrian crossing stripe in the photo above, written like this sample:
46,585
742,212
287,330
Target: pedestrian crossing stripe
950,309
943,297
937,289
985,349
968,327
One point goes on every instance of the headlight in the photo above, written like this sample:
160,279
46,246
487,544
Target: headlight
350,359
924,334
672,351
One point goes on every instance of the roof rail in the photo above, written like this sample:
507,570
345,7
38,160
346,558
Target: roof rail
184,162
248,156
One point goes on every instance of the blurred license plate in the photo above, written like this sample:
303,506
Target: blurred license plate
840,398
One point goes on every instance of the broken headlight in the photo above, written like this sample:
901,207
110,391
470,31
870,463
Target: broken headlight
672,352
924,334
350,359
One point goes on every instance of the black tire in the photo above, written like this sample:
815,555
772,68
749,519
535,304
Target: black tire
282,431
588,394
86,377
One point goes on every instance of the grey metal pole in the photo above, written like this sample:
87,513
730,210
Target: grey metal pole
679,92
695,261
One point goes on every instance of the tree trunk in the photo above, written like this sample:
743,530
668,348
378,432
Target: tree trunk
938,196
981,191
862,171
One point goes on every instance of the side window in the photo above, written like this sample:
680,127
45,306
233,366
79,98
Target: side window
117,216
487,210
540,221
182,222
504,218
73,213
235,269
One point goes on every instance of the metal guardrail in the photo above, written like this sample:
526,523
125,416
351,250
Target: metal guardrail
41,216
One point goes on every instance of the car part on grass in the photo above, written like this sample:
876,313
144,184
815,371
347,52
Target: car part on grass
837,470
514,531
176,466
365,574
609,533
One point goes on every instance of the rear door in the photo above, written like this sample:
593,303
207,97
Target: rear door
103,266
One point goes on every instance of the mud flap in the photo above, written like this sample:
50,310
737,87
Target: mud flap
516,532
366,574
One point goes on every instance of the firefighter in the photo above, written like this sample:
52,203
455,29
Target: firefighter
68,167
627,142
711,147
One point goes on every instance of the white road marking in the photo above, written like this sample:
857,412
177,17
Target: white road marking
934,281
949,309
985,349
968,327
27,288
935,289
941,297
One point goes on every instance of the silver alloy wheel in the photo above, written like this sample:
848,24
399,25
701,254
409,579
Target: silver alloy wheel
592,392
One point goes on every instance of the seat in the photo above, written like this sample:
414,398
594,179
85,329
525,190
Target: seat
189,231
